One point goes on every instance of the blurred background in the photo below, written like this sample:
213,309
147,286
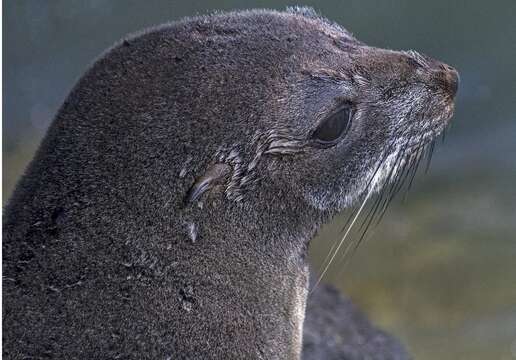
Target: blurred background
440,269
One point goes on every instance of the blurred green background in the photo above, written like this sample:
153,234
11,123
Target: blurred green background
440,270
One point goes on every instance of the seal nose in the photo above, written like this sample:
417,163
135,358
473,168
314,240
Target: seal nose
451,79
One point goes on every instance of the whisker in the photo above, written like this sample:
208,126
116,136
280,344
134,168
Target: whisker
374,210
372,213
354,216
417,162
430,153
396,183
330,252
410,159
367,223
343,238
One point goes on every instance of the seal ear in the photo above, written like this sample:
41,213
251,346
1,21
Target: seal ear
213,176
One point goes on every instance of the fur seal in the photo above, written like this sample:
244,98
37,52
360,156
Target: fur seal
168,210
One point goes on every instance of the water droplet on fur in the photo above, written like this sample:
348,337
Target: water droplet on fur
192,231
184,170
187,306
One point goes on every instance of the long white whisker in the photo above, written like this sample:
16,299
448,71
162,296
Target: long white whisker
371,190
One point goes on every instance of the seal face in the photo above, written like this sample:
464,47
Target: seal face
168,210
344,115
382,107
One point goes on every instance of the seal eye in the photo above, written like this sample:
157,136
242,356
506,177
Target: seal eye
332,128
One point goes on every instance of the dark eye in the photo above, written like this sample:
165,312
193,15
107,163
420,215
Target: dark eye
332,128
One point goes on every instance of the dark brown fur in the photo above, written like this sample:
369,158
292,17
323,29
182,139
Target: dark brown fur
104,258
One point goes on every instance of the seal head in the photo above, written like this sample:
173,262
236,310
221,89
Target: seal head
168,210
337,114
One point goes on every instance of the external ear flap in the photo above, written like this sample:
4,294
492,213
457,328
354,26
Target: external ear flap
213,176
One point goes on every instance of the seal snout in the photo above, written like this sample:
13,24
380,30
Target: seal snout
451,79
448,78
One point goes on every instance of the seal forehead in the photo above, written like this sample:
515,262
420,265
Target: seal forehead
331,29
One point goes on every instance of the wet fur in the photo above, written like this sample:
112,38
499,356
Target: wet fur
105,253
